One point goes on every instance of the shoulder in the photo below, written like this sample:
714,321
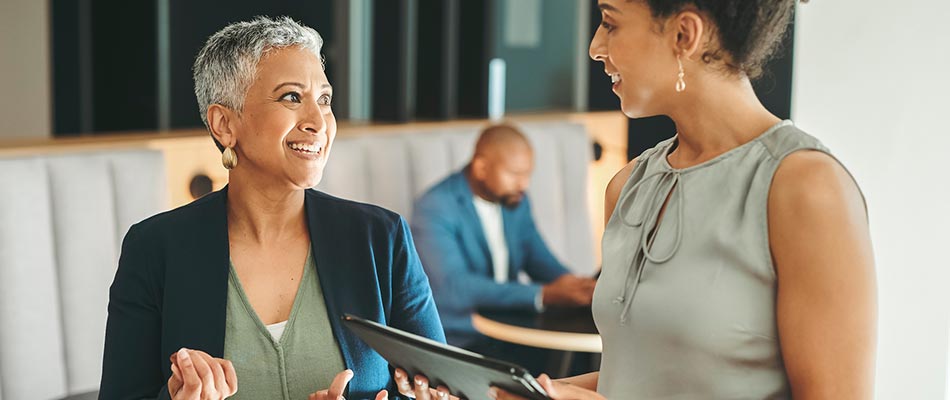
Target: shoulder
620,179
183,218
615,186
814,182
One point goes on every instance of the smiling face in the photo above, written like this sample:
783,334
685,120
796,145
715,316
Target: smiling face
638,57
285,132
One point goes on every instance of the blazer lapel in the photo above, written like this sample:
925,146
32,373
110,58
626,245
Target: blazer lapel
334,258
197,281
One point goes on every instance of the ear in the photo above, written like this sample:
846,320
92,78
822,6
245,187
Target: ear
690,30
479,167
221,123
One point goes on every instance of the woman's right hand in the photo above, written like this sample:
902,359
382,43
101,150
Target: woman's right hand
198,376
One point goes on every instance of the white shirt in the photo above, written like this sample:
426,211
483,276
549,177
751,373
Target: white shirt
493,227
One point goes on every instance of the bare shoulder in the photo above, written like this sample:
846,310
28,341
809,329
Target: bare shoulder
814,183
614,187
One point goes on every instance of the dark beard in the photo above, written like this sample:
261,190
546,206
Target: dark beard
511,201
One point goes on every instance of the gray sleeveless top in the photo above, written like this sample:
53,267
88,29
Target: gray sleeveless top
686,309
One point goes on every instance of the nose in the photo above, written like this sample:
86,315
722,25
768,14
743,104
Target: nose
598,46
523,184
314,120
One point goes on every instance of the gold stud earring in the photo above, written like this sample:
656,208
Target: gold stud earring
229,158
680,83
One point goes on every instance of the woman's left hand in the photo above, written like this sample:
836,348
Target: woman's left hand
556,391
420,390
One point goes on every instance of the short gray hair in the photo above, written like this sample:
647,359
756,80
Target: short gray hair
227,64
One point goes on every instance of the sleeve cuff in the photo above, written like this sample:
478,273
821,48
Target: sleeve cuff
539,301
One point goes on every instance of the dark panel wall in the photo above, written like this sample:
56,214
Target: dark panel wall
192,22
66,67
124,65
106,66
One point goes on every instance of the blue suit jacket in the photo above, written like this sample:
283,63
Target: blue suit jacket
170,290
455,254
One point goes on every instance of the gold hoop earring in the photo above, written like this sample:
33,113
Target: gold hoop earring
229,158
680,83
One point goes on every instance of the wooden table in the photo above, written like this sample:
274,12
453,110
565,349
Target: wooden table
566,331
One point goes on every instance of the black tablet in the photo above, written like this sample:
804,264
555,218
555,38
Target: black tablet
468,375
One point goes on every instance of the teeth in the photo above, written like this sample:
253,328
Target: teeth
614,78
309,148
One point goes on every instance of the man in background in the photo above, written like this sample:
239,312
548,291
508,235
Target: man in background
475,235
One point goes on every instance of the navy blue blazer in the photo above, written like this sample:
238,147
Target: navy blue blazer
455,254
170,290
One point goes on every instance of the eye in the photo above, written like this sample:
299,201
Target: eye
607,26
293,97
325,100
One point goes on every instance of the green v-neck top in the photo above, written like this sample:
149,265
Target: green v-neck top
301,360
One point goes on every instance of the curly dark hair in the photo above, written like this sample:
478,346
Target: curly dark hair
748,31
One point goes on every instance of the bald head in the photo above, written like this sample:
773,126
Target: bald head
501,167
501,141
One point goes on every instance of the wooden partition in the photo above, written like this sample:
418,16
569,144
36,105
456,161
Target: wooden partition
191,153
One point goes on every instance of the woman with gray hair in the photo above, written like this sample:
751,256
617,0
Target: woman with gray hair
249,283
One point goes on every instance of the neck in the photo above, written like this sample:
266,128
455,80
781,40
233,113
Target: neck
714,116
262,213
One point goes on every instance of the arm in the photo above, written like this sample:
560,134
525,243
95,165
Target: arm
131,366
448,270
587,381
826,305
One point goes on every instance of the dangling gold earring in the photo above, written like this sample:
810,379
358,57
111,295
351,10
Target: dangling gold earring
680,83
229,158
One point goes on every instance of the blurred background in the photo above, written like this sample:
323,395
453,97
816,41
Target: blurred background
110,76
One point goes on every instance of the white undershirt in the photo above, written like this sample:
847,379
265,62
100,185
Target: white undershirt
494,228
277,330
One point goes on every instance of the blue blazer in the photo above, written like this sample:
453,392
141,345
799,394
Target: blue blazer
455,254
170,290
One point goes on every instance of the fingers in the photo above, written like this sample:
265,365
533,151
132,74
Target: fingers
442,393
191,382
335,392
208,389
230,376
548,385
220,382
421,388
382,395
174,382
402,382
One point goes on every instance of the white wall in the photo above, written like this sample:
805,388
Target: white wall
871,81
25,89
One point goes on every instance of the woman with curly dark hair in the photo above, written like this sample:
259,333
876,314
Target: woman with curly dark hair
737,261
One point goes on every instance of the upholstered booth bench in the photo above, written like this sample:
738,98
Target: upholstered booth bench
62,219
63,216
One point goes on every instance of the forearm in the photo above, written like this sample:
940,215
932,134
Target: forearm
587,381
479,292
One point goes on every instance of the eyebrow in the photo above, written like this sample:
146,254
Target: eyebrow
300,85
608,7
